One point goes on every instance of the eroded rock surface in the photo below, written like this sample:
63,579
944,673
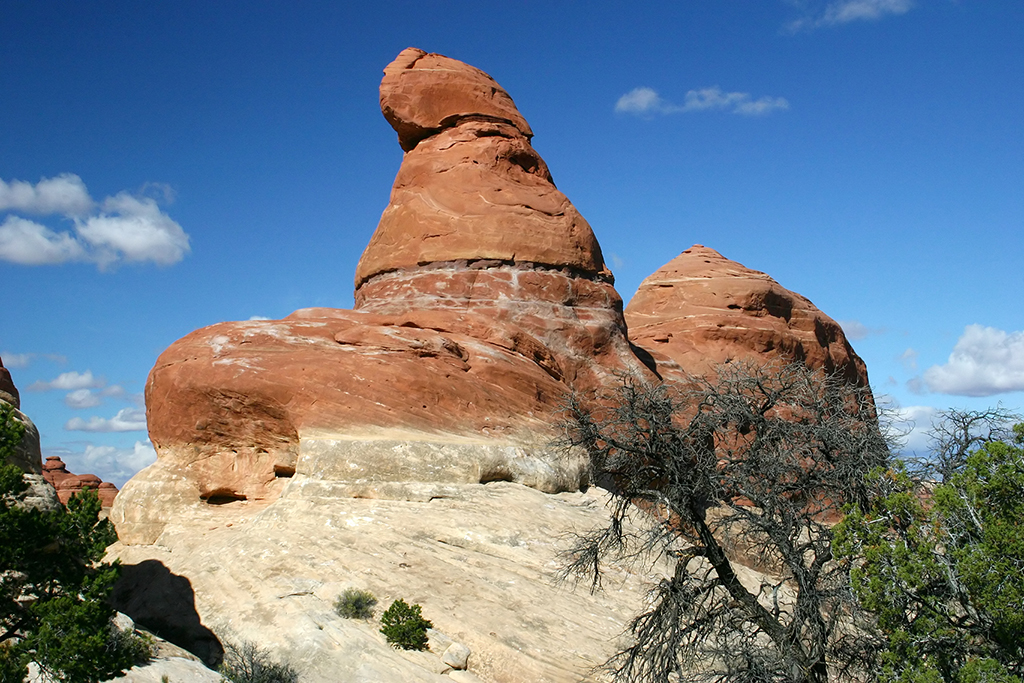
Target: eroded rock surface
27,455
481,299
701,309
482,560
55,472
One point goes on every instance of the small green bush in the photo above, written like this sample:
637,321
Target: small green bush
355,604
249,663
404,626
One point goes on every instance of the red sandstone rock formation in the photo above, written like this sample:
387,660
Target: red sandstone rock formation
470,187
481,299
701,309
55,472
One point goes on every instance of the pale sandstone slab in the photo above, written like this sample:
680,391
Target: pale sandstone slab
481,560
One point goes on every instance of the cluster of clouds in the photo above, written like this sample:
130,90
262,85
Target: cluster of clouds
647,102
840,12
984,362
85,390
22,360
123,228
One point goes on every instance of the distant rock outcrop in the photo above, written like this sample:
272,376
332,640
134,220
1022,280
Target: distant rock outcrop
701,309
55,472
27,455
8,392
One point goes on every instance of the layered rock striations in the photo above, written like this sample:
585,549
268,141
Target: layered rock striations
701,309
481,299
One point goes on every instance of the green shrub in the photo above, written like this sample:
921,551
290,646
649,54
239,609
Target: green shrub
404,626
249,663
355,604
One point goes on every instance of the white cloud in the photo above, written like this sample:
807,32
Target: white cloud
28,243
856,330
640,101
135,230
845,11
126,420
22,360
259,317
16,360
125,228
985,361
118,464
114,391
64,194
909,360
647,102
82,398
913,422
69,381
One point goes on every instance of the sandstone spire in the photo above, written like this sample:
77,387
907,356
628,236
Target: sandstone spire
471,187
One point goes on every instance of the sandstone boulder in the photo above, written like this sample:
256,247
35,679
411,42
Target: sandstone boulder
701,309
423,93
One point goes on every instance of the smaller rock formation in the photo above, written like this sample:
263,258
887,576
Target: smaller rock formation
8,392
701,309
26,455
55,472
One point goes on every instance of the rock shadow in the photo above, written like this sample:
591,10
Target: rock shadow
164,604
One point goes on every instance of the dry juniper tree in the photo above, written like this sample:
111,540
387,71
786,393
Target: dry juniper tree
752,464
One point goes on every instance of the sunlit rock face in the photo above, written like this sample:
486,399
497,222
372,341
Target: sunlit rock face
26,456
481,300
701,309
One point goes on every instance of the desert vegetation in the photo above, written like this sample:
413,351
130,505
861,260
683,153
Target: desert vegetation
247,662
53,587
355,603
404,627
921,582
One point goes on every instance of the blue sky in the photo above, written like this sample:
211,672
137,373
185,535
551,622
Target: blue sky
167,166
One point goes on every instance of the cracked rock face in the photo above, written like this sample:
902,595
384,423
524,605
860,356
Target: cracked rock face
481,299
701,309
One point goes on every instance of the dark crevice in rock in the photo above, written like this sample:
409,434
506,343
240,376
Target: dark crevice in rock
222,497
